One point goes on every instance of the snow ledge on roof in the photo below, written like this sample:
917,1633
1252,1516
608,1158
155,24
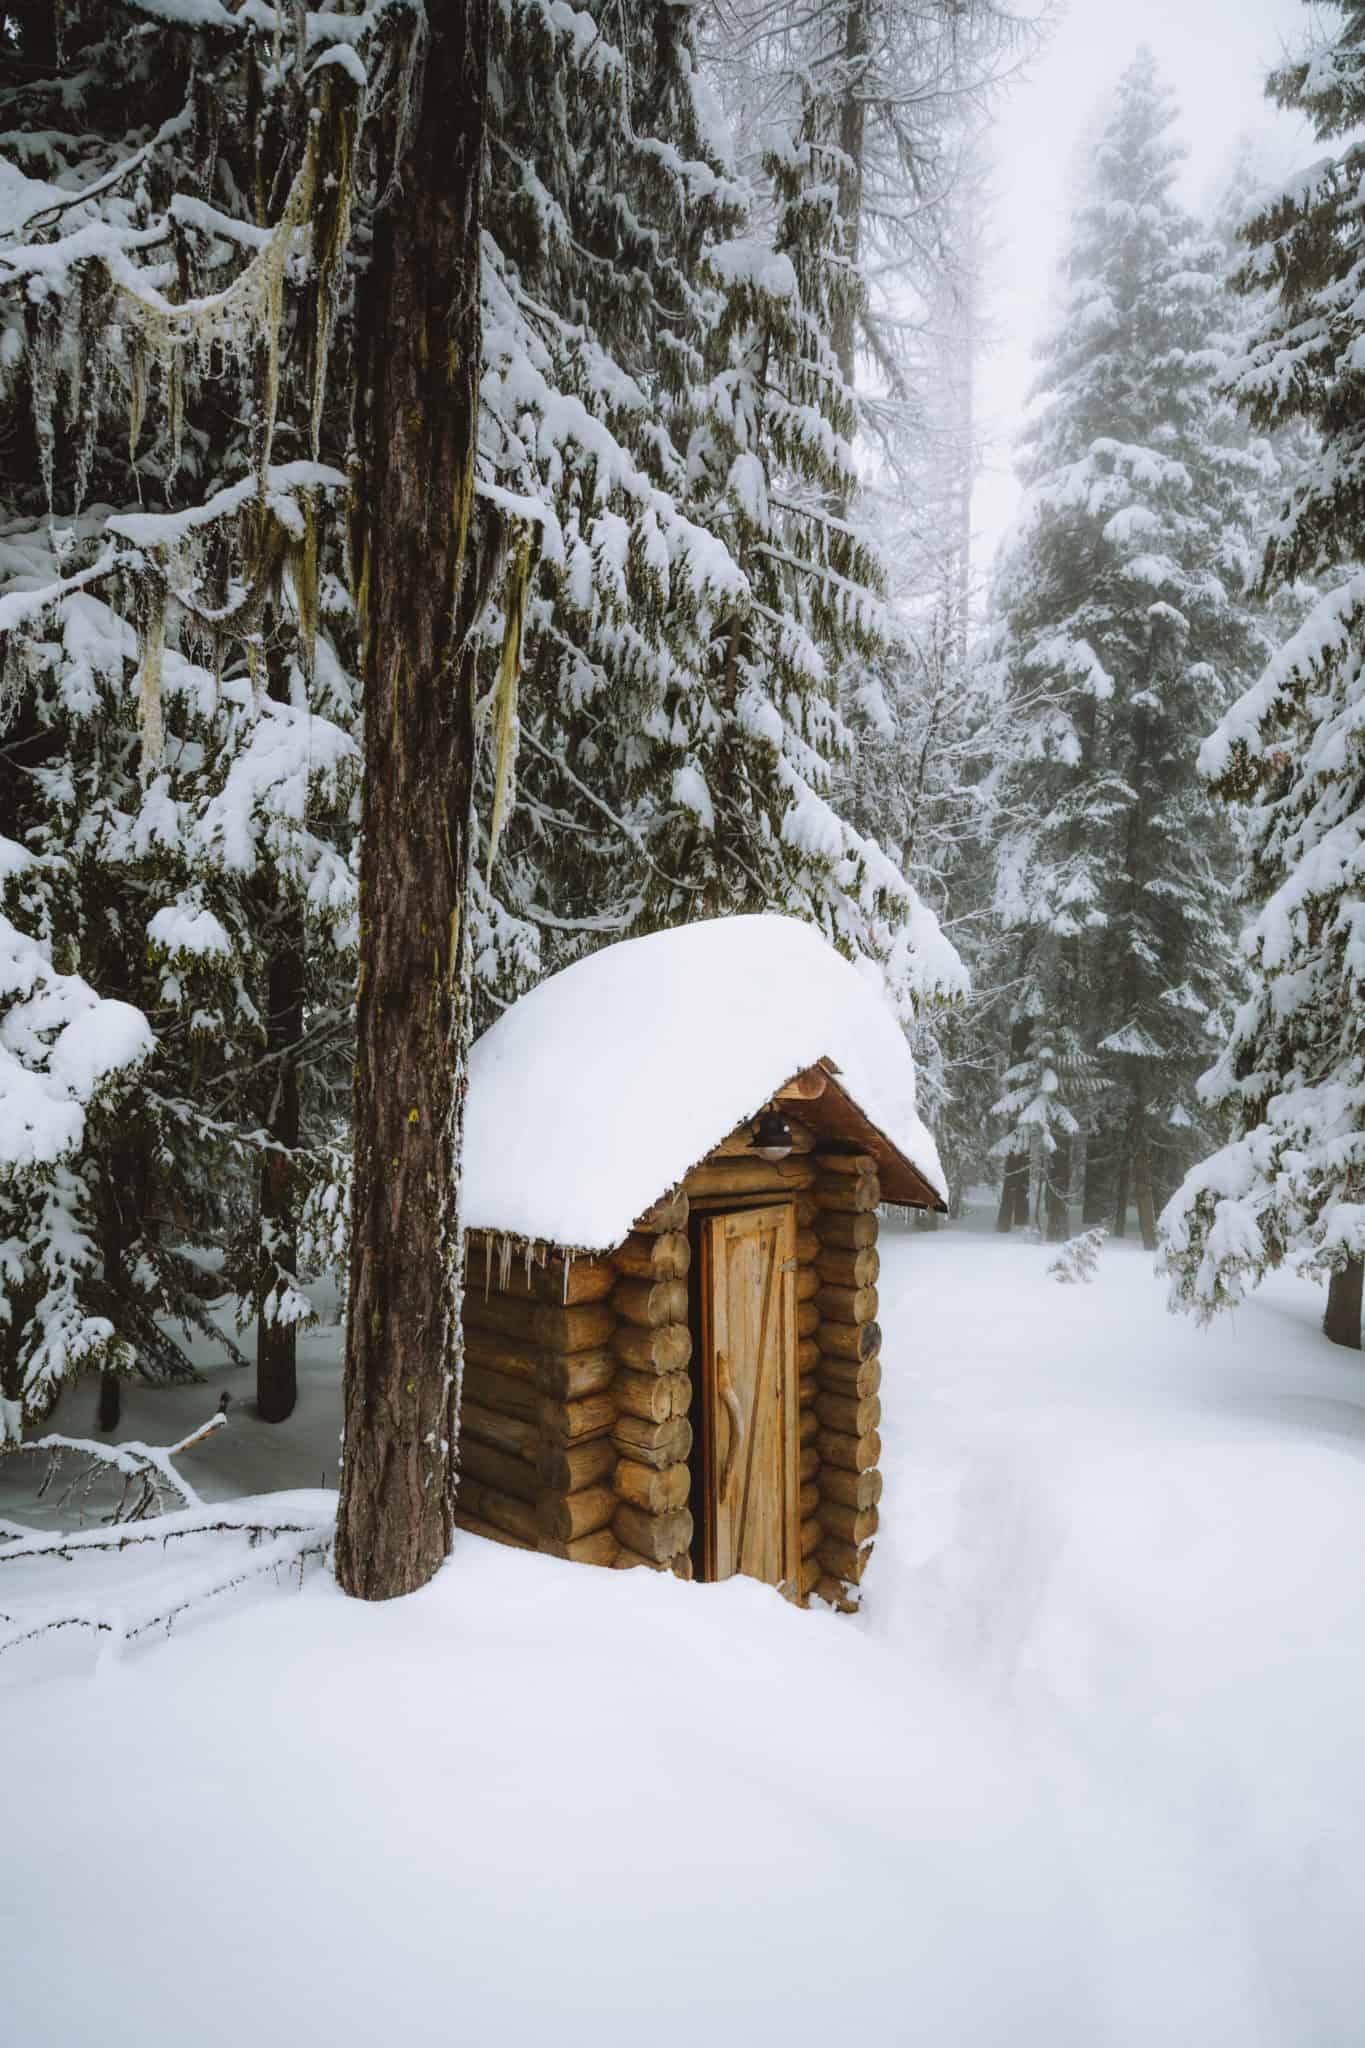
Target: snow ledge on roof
595,1094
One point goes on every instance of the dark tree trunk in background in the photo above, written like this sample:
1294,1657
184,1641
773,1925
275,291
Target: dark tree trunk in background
1342,1321
124,1182
1013,1210
849,199
418,420
1095,1184
1121,1196
1057,1193
1142,1191
277,1343
109,1409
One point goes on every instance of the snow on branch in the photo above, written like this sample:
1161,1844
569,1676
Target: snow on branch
146,1469
282,1531
270,1549
1076,1262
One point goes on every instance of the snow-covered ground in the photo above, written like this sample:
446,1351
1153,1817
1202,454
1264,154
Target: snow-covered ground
1088,1769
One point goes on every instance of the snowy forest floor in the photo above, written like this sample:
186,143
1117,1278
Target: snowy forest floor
1088,1768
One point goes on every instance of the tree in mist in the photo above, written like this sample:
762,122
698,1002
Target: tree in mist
1292,1073
1122,623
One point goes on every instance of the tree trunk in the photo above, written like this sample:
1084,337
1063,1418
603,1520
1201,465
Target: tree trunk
418,384
109,1408
1341,1324
1142,1190
1013,1210
849,201
1094,1189
1057,1193
1121,1196
276,1343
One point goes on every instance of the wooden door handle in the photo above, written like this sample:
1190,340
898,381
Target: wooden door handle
736,1413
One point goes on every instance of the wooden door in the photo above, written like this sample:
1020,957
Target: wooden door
749,1394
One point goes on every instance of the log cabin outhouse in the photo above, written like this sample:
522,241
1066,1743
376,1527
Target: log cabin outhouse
675,1153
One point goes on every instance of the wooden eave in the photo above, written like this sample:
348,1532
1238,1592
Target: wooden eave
837,1116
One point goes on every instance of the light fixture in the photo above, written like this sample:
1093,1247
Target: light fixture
772,1135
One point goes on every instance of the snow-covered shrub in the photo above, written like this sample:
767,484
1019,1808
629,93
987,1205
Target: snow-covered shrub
1078,1260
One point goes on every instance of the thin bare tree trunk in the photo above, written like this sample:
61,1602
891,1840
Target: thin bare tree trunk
1057,1192
852,131
1121,1196
276,1342
1013,1210
109,1406
1142,1190
418,425
1344,1293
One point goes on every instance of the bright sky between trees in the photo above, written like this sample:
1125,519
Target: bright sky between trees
1216,54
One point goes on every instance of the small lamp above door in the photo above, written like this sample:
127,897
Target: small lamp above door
772,1137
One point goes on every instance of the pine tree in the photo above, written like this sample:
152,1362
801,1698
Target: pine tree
1123,629
178,712
1292,1073
682,451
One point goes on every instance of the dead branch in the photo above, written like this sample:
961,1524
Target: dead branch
146,1469
286,1550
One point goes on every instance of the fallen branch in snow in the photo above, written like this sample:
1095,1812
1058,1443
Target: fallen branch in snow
291,1547
146,1469
219,1521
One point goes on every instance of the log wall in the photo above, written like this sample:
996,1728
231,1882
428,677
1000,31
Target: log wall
576,1428
537,1409
652,1433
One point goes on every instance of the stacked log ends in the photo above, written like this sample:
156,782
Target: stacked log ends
652,1435
848,1373
809,1282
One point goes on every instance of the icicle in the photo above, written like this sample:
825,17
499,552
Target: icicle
505,698
149,717
505,1263
487,1262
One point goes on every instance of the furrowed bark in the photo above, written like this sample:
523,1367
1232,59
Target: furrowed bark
420,350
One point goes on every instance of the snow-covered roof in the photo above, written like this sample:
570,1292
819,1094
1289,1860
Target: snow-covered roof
595,1094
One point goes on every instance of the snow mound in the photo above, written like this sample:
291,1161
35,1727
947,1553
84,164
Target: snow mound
593,1096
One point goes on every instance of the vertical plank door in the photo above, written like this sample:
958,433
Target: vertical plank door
749,1405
